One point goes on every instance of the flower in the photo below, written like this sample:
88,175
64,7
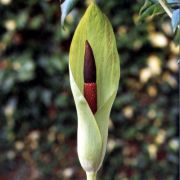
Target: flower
92,133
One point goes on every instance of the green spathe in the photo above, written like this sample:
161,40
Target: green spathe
93,129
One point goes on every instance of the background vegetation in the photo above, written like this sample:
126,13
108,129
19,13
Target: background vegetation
37,113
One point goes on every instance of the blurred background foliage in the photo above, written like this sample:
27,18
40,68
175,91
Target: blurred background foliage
37,113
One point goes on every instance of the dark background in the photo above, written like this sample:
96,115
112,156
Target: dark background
37,114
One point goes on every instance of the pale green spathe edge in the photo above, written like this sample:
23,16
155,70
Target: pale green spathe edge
93,129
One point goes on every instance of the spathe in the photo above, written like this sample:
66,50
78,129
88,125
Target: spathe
93,129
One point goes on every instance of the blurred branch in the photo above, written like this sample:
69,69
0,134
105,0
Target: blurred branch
167,10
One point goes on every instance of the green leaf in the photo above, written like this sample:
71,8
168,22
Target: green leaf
93,129
154,1
174,4
175,19
177,37
66,8
173,1
22,19
150,9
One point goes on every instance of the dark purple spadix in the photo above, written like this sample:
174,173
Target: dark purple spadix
89,65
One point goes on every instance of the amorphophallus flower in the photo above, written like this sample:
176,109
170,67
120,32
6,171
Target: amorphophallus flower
94,77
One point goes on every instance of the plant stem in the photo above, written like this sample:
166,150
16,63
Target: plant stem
164,6
91,176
